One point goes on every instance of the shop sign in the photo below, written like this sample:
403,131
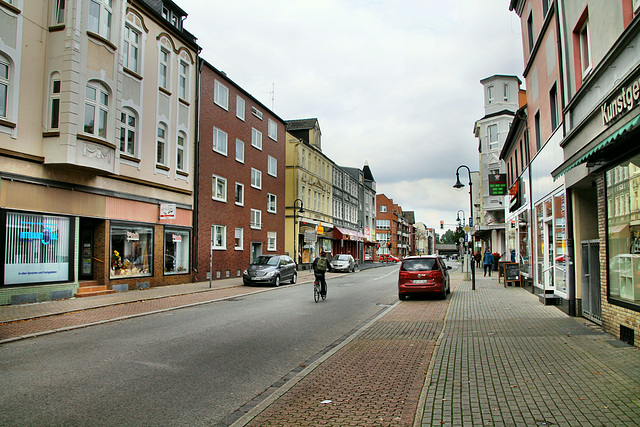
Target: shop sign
514,200
176,238
617,106
497,184
45,236
320,229
310,236
167,211
132,236
367,233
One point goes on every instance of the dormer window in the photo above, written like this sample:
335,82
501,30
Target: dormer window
172,17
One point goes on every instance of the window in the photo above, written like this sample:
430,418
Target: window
239,151
383,208
218,237
585,49
522,155
490,94
163,69
239,194
256,219
58,12
221,95
536,122
131,251
183,80
553,104
505,94
219,188
273,130
256,178
256,138
383,224
273,166
271,240
128,132
271,203
38,244
96,109
530,31
493,137
176,251
131,48
240,108
239,239
256,112
161,145
4,86
54,113
100,17
545,7
181,160
220,141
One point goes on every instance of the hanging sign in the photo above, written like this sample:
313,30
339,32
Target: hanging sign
167,211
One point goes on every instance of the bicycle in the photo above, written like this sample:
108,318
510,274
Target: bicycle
316,291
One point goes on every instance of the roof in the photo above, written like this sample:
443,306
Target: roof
410,216
368,176
519,119
301,124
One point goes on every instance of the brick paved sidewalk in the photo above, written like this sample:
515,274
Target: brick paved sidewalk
497,358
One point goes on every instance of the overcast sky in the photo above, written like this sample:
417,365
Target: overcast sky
395,83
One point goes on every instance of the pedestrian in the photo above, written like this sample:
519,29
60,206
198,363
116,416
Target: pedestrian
320,267
477,257
488,262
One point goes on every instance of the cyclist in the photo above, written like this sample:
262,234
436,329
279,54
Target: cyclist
320,266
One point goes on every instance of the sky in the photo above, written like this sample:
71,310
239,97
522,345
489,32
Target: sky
394,83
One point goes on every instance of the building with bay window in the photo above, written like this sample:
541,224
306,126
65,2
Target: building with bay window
97,182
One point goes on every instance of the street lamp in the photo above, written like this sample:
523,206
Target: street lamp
458,216
296,230
459,185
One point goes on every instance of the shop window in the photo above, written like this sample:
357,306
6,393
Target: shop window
623,232
176,251
131,251
36,249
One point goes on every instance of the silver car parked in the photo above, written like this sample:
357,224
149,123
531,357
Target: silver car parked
343,262
270,269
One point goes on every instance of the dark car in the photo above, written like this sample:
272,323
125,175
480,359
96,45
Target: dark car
270,269
343,262
423,275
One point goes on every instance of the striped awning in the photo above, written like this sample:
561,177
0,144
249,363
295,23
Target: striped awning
607,141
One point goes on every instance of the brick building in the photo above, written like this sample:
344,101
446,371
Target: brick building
241,178
393,230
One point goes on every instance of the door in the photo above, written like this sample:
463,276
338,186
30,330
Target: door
256,250
86,251
590,281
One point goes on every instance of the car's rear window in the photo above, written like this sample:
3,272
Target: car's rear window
419,264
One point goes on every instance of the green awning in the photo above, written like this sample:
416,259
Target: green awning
624,129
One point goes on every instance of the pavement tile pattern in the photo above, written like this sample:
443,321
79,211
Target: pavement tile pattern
376,379
506,360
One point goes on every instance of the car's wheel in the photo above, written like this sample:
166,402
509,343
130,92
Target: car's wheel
443,294
276,282
294,278
402,297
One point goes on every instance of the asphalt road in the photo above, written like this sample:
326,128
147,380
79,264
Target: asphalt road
193,366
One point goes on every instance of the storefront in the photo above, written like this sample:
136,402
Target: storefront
314,237
519,243
56,240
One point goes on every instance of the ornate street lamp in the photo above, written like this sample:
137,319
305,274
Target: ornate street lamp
459,185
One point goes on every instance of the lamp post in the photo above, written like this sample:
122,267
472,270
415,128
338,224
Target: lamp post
461,224
296,229
459,185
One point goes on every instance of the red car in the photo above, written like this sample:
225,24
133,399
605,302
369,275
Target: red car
387,258
423,275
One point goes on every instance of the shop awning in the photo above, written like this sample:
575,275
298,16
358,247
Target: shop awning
619,229
346,234
583,157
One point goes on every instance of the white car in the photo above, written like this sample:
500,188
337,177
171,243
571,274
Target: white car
343,262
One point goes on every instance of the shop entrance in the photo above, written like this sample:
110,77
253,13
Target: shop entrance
86,249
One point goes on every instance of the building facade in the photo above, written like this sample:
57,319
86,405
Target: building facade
309,178
601,115
97,136
241,178
392,229
348,230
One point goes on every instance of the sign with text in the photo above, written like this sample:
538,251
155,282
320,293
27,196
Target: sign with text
497,184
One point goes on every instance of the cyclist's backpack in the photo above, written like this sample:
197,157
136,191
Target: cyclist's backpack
322,265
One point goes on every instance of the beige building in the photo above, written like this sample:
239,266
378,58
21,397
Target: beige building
97,136
309,185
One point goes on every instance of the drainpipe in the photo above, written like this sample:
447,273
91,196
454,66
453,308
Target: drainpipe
196,157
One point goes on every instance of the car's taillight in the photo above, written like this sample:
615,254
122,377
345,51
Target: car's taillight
403,277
